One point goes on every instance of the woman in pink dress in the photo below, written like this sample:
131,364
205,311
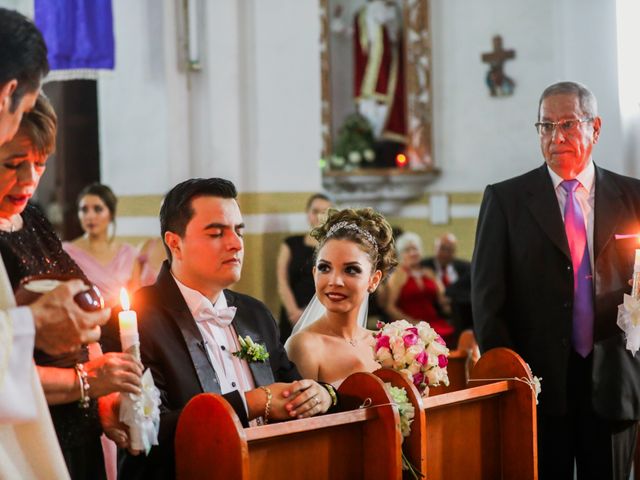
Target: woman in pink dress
108,263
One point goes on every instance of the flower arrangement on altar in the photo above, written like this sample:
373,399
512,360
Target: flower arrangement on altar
354,145
416,351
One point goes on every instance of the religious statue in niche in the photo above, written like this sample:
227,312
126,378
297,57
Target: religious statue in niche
500,85
378,74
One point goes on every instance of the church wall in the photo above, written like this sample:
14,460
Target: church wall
252,114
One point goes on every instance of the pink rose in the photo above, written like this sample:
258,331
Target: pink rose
443,361
410,339
440,340
383,341
413,330
418,379
379,324
422,358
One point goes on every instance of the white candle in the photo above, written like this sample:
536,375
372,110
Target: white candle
128,321
635,289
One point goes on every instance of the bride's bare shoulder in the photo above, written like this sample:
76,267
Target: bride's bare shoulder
305,339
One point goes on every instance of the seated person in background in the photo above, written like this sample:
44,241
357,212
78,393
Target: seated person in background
189,325
455,276
295,260
29,246
109,263
413,291
355,251
152,254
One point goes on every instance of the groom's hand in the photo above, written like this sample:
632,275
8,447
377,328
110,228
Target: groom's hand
306,399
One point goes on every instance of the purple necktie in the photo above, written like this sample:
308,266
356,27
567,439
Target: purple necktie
582,278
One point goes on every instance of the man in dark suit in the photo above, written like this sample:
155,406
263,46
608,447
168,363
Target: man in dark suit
547,277
455,275
189,323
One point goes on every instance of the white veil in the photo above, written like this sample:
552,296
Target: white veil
315,310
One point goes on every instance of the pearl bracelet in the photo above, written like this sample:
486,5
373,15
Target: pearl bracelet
84,385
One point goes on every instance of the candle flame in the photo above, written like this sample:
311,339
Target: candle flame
124,299
401,160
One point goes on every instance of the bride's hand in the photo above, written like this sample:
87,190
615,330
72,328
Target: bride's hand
307,398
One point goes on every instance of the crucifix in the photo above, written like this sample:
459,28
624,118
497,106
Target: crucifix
499,84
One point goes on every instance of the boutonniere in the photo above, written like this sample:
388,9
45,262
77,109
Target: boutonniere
250,351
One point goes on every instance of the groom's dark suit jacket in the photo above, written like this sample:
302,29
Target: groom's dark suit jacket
173,348
522,285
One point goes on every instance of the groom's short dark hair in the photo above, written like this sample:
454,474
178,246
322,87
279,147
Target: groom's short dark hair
176,210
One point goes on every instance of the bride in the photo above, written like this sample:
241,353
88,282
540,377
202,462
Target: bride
355,251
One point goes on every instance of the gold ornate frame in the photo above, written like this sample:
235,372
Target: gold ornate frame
417,41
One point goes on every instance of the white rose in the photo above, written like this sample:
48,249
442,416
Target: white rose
369,155
407,374
384,357
355,157
414,368
337,161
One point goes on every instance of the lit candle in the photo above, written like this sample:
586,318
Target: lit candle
128,321
401,160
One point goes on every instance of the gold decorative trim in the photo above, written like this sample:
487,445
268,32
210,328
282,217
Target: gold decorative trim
139,205
281,202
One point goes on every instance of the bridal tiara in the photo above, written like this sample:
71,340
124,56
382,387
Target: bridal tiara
352,226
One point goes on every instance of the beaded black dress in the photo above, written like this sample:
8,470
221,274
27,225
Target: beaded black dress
300,272
35,249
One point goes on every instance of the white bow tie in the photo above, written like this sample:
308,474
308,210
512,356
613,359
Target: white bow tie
222,317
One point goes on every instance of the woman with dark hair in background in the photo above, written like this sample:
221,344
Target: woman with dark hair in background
295,261
107,262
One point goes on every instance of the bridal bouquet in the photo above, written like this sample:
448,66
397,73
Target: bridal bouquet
416,351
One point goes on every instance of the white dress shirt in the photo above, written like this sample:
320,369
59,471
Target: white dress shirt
233,373
585,194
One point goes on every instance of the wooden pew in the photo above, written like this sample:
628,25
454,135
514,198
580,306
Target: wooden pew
357,443
485,431
461,362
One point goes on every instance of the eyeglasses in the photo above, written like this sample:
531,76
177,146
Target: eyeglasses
566,126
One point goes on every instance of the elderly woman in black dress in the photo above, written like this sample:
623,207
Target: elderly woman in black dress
29,246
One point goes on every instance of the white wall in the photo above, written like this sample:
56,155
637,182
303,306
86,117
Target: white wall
480,139
253,113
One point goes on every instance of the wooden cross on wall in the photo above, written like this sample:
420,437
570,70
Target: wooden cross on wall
499,84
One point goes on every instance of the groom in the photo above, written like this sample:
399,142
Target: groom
189,325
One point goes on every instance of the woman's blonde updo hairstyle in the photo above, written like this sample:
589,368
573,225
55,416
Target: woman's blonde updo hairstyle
382,254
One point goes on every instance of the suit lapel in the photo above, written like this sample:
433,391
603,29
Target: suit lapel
607,213
245,324
543,205
175,305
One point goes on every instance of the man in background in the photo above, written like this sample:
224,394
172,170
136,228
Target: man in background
455,275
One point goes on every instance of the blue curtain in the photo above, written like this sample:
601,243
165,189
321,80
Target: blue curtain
79,34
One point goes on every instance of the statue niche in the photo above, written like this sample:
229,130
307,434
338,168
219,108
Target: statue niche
376,84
